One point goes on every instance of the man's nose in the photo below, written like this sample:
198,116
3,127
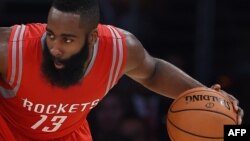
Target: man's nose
56,49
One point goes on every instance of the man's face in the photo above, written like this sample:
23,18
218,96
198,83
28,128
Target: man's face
66,49
72,71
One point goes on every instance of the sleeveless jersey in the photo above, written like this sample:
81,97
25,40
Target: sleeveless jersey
34,108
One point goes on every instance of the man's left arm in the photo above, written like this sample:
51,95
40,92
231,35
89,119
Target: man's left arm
161,76
155,74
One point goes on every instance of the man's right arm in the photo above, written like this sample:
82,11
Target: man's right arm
4,38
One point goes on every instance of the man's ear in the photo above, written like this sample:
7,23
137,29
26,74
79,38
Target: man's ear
92,37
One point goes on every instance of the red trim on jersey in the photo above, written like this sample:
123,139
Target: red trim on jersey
119,56
122,57
14,71
15,31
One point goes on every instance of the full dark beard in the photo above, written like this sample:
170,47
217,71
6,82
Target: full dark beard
73,69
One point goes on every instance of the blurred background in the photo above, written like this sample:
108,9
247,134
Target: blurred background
208,39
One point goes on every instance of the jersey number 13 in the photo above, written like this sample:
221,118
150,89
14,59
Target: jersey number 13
56,123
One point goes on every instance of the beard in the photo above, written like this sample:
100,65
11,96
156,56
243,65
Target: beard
72,72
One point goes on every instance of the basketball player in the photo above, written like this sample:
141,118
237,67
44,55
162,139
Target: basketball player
53,74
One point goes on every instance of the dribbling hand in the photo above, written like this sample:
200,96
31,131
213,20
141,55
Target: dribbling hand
235,102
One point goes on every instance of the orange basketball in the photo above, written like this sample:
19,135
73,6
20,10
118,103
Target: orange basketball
200,114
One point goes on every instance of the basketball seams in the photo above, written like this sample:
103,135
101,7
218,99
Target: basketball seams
169,121
204,110
169,133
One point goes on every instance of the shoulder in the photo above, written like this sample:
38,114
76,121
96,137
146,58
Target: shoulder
5,34
27,31
34,30
135,50
14,33
130,39
37,27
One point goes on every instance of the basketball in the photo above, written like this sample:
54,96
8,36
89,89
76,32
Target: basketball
200,114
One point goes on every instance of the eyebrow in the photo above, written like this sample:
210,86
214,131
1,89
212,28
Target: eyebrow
63,34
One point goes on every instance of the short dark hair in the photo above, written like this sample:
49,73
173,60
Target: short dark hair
89,10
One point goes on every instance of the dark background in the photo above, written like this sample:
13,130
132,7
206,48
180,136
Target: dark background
208,39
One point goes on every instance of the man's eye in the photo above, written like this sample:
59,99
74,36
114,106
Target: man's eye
67,40
51,36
